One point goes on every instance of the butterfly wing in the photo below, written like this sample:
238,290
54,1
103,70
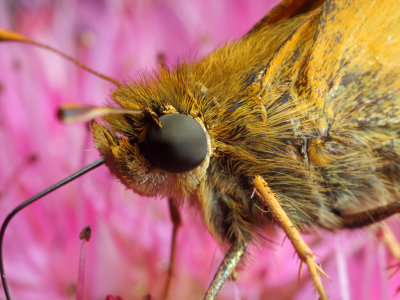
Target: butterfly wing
286,10
351,77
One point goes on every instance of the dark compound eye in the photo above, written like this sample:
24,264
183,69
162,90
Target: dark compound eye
179,146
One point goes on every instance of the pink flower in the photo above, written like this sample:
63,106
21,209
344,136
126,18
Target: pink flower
128,253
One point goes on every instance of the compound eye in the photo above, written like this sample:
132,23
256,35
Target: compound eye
179,146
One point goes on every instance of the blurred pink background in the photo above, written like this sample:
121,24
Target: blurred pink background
128,253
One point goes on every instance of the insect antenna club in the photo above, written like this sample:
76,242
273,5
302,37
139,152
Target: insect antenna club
288,133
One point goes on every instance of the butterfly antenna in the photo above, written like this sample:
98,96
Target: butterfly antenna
11,36
28,202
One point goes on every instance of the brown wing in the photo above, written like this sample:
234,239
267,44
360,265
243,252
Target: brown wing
286,10
354,66
340,67
352,78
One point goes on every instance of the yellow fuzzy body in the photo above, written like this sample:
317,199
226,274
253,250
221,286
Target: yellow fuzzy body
310,102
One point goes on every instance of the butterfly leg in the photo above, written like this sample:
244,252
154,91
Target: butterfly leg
176,221
392,245
373,216
280,216
226,269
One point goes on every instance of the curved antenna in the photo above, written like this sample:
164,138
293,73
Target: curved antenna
26,203
11,36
